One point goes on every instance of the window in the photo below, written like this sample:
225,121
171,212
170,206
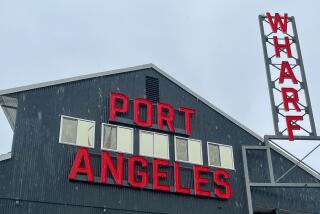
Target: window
9,107
117,138
188,150
78,132
220,155
154,145
214,155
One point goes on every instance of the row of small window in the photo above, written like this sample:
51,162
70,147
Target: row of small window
81,132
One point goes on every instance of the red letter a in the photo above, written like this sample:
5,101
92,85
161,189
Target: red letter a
82,155
285,66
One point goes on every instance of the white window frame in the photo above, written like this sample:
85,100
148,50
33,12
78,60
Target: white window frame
115,150
75,118
140,131
175,150
220,145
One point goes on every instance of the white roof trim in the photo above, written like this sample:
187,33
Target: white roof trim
6,156
72,79
294,160
124,70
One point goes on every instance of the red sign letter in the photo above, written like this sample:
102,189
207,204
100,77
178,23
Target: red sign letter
220,177
187,112
278,21
287,75
113,104
168,117
137,118
143,174
198,180
158,174
82,155
278,47
177,183
116,171
292,127
293,99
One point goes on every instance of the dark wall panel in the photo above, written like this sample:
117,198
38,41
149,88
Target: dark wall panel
295,175
34,207
302,200
258,166
40,165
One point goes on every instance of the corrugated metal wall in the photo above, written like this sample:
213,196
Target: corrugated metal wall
37,175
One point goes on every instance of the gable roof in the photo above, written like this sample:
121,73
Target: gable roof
124,70
146,66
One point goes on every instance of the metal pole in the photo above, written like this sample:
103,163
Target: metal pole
246,177
270,85
303,75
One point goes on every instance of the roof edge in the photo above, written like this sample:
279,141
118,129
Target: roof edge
209,104
124,70
6,156
301,164
72,79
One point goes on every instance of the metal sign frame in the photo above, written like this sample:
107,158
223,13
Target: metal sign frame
268,144
294,39
274,182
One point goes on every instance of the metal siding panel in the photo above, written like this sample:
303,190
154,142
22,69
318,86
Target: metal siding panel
296,175
41,164
46,164
258,166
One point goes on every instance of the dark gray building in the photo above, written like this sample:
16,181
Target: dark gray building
54,121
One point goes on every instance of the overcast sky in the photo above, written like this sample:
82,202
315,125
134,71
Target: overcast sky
211,46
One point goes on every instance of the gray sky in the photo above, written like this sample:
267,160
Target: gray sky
211,46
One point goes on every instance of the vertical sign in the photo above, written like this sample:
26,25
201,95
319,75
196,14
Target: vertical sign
289,95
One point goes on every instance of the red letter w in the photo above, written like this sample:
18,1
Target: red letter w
277,20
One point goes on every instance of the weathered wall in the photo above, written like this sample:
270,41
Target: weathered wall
37,175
